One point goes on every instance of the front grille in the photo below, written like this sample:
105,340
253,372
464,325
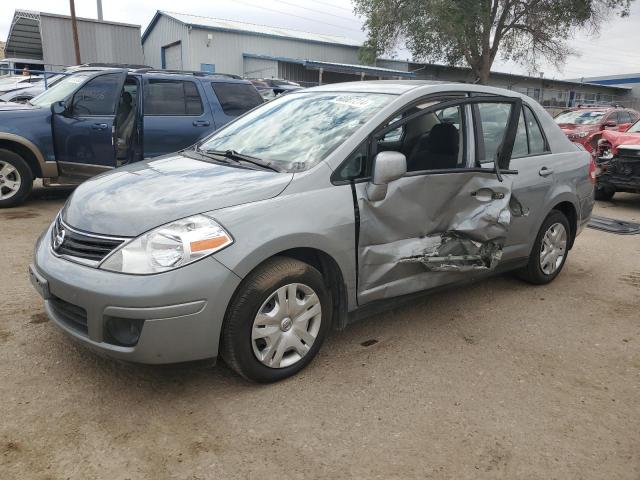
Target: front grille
68,241
72,315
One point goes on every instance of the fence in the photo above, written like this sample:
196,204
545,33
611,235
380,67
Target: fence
33,75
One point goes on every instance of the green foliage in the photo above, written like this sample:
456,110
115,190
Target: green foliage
474,32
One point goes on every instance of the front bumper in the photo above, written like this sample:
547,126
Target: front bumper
182,309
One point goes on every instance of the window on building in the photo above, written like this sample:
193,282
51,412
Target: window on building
236,98
172,97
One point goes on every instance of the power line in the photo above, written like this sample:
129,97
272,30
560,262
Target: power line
314,10
280,12
334,6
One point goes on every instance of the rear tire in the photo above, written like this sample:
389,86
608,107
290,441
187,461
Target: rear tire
16,179
548,254
277,320
604,193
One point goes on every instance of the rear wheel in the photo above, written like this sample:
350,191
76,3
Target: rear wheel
550,250
277,320
16,179
604,192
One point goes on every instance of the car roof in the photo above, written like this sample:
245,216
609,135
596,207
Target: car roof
421,87
164,74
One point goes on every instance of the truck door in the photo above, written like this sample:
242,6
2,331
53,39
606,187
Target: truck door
175,115
448,217
83,133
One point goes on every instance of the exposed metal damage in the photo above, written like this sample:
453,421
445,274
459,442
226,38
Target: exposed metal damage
464,230
455,253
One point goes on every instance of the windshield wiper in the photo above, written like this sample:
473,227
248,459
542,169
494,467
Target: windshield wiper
240,157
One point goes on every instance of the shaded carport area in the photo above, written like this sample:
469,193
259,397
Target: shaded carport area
24,39
315,72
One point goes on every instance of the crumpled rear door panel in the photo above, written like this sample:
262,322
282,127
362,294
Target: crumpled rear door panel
430,230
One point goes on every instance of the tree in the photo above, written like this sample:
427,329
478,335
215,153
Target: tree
476,31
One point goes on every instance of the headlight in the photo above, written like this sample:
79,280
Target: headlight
169,246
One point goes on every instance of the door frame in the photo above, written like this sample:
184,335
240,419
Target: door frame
78,169
468,125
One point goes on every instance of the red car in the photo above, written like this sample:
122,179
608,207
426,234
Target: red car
617,158
582,122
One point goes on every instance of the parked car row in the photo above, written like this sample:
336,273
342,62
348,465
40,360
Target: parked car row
295,218
99,118
612,136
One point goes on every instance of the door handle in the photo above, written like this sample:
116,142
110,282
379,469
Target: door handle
201,123
99,126
545,172
486,195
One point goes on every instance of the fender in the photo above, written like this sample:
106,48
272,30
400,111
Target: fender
47,169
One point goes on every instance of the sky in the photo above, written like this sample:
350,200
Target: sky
613,52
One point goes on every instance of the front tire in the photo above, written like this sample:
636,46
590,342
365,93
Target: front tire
16,179
550,250
276,321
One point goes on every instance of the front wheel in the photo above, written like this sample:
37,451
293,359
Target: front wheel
16,179
277,320
550,250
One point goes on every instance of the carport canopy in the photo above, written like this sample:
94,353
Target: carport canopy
24,39
337,67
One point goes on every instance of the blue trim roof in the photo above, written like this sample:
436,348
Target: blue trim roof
616,81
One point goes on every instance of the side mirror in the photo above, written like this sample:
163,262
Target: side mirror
387,167
59,108
609,124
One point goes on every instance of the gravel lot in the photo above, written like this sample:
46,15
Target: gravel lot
495,380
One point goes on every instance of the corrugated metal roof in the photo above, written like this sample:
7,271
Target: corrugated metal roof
234,26
336,67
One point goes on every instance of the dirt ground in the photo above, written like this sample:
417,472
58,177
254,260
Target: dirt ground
496,380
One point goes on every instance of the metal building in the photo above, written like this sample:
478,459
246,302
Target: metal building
191,42
47,37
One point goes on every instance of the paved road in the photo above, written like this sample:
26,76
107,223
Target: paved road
494,380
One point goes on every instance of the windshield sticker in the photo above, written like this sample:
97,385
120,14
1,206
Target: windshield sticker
76,79
353,101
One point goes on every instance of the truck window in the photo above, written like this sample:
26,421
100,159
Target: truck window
97,96
172,97
236,98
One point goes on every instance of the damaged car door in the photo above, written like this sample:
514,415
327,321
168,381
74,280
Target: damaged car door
431,214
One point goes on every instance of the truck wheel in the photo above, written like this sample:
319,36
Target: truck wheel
549,251
16,179
276,321
604,193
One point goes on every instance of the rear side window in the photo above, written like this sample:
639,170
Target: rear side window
493,119
537,143
624,117
236,98
98,96
172,97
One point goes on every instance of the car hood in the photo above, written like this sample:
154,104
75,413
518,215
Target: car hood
617,139
574,128
4,106
131,200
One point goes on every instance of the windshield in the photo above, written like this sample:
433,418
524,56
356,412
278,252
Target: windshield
635,128
298,131
61,90
580,117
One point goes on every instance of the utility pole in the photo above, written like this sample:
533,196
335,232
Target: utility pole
74,27
99,9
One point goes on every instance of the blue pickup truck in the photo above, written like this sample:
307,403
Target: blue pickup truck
98,119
